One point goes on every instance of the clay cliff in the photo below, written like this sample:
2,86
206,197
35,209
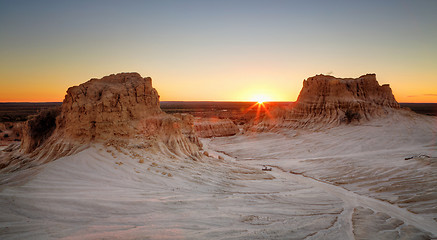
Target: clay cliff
329,101
214,127
118,108
112,106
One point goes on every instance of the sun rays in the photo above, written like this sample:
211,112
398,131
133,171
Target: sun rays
262,109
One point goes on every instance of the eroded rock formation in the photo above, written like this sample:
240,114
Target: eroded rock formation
214,127
330,101
38,128
108,107
122,107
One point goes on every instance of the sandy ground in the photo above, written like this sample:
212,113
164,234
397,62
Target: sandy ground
345,183
364,166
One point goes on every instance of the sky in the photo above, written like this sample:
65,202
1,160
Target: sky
216,50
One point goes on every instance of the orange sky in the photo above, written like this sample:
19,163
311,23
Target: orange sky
215,51
233,87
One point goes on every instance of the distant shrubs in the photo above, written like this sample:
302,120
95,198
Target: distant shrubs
14,117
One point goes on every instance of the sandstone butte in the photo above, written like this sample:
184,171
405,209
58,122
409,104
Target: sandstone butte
327,101
119,109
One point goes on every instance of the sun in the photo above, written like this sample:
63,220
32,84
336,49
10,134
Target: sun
260,106
260,99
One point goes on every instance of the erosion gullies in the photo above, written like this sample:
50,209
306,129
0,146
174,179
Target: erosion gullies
327,101
112,106
214,127
120,107
38,128
384,159
102,192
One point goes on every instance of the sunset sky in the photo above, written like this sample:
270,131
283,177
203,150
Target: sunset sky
217,50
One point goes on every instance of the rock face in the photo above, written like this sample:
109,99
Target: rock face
122,106
116,108
214,127
329,101
37,129
108,107
187,127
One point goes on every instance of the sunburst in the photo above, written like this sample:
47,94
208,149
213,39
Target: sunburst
260,104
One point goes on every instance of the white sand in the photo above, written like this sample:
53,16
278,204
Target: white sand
355,184
362,165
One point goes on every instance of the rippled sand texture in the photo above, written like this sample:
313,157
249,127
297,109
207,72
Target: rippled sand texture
343,183
92,195
391,197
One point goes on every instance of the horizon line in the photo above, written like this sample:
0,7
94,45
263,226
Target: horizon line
210,101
